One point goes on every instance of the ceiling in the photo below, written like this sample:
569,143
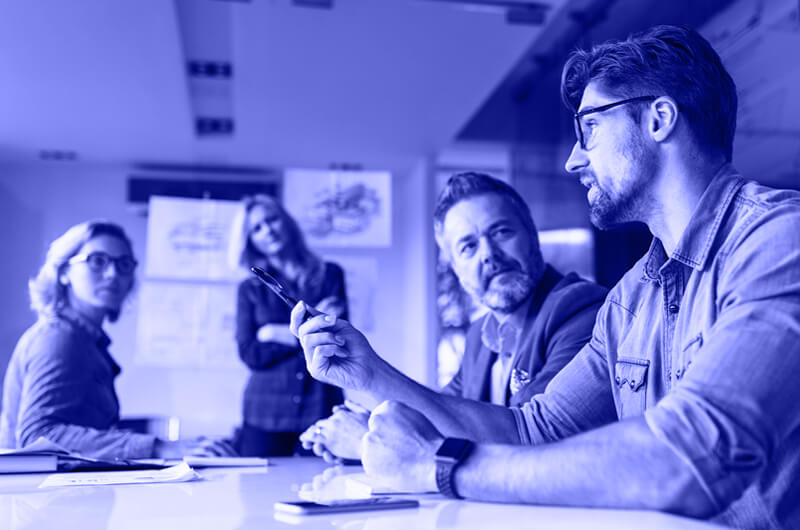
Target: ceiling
364,83
355,83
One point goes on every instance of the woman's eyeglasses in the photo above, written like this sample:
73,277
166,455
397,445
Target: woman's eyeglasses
99,262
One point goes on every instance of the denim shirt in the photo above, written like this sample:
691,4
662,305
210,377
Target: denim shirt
60,385
704,344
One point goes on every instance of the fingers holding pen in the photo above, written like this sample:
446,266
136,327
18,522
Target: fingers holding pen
321,338
303,323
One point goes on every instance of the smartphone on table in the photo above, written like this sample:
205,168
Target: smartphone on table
345,505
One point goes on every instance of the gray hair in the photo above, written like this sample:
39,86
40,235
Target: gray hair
469,184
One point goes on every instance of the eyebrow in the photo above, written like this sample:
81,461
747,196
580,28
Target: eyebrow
502,222
464,239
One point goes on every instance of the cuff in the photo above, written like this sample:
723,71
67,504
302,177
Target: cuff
522,427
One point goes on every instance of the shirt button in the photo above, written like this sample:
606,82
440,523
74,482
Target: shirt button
300,376
673,308
296,399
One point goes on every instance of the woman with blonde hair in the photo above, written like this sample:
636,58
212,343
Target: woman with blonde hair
60,379
281,399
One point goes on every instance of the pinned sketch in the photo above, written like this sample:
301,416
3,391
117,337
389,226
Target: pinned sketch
187,239
340,208
186,324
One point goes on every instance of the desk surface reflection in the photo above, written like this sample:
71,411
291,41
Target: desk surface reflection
243,498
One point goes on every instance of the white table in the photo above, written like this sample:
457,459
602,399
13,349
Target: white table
242,499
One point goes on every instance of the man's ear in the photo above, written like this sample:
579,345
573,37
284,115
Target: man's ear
663,118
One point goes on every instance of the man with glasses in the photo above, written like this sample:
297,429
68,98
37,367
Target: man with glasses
685,398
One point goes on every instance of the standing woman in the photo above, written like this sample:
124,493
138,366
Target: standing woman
281,399
60,379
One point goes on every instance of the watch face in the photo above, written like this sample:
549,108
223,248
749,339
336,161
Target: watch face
452,449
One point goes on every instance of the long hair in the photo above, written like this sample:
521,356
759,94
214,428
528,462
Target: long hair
47,293
664,60
242,253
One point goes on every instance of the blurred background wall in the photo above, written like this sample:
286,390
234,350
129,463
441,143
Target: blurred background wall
94,94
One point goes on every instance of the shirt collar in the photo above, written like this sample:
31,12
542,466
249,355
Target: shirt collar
95,332
694,246
501,336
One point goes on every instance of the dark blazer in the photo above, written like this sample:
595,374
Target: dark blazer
559,323
281,396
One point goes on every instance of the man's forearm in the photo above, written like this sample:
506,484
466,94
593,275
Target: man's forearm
622,465
452,416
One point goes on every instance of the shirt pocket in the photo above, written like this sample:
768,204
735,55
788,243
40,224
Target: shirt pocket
630,376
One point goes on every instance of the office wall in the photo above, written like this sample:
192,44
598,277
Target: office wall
39,201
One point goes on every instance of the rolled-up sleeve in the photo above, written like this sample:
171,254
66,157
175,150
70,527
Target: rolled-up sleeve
577,399
738,400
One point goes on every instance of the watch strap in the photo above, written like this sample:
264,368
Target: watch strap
447,464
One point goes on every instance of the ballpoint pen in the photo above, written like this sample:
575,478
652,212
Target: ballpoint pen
281,292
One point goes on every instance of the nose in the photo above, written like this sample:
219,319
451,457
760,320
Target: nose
110,270
489,250
577,159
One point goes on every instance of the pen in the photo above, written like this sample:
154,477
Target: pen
280,291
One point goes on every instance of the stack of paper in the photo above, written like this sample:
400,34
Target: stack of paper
16,462
44,455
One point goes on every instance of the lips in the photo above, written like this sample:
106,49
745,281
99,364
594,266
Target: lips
490,277
110,289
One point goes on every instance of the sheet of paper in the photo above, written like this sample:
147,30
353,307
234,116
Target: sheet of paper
225,461
177,473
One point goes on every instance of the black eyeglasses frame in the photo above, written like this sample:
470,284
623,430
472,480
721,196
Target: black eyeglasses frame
124,270
601,108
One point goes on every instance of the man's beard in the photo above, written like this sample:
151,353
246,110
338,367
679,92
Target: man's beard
505,294
607,211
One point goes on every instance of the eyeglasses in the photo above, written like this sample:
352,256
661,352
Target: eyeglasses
99,262
583,137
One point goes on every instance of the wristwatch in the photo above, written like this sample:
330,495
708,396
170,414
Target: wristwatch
450,454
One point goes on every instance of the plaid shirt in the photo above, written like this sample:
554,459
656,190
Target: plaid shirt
281,396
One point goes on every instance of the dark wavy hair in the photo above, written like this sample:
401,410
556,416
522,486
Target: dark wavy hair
48,295
664,60
469,184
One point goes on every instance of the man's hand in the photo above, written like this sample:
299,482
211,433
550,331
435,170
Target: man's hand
331,305
399,450
194,446
338,436
336,352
